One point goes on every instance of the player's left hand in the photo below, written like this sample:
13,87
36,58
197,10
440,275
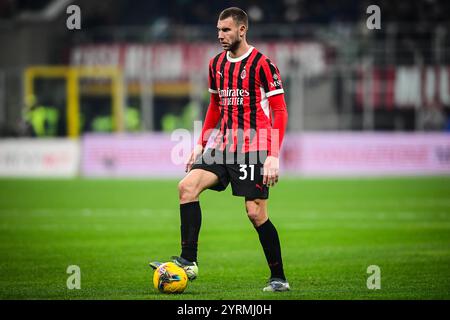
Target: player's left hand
271,169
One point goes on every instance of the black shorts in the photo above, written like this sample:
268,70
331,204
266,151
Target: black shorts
244,171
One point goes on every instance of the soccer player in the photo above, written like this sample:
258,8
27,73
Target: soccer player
246,89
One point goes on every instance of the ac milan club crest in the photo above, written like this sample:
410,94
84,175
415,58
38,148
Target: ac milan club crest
243,74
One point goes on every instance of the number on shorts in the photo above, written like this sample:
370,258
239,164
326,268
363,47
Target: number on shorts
243,169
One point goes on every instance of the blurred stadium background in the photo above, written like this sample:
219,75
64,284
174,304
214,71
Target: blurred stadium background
103,101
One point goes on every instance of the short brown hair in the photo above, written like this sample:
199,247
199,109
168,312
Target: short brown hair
239,16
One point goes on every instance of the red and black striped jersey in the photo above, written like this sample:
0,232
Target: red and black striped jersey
244,85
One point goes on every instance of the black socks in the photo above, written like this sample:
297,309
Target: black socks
191,220
268,236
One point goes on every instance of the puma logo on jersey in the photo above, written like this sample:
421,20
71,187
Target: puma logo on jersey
220,74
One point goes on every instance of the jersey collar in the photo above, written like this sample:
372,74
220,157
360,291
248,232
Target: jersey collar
245,55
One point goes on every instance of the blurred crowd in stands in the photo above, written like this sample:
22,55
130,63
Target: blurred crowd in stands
144,12
419,26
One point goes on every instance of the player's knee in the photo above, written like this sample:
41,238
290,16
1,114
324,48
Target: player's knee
255,213
187,191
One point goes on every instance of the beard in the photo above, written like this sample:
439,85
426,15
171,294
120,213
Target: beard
235,44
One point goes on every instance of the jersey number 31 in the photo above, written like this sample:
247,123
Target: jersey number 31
243,169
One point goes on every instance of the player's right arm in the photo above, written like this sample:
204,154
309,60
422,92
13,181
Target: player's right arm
211,119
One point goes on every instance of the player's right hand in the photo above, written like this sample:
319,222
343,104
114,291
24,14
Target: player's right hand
198,150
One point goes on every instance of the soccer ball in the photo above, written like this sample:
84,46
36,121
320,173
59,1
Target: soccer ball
170,278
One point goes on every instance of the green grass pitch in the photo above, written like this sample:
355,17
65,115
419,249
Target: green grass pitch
331,230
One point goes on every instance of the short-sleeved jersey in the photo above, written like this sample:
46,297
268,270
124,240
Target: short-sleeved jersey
244,85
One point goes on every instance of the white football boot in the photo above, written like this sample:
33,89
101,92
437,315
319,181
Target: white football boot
277,285
191,268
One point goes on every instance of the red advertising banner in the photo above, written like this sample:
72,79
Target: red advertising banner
403,87
178,61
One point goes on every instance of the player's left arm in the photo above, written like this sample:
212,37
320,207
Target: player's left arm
270,79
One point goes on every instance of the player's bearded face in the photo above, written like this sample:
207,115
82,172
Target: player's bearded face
228,35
